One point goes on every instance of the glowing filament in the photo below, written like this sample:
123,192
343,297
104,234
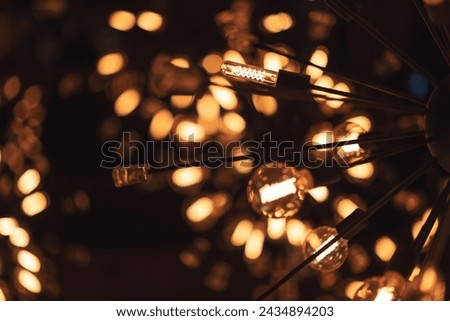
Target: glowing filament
270,193
252,73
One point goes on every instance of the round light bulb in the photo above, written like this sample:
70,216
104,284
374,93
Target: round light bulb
388,287
278,191
348,131
333,257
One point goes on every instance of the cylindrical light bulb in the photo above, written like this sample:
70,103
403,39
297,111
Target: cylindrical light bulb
276,228
250,73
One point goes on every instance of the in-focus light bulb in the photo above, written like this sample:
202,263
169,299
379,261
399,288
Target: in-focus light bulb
277,191
250,73
388,287
348,131
333,257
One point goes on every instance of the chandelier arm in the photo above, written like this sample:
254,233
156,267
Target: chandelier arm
345,76
354,226
371,103
375,33
436,37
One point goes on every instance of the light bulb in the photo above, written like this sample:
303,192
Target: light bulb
428,285
250,73
388,287
277,191
333,257
123,176
348,131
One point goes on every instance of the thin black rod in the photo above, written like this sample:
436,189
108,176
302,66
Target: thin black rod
343,75
389,153
370,29
370,212
303,149
436,37
376,105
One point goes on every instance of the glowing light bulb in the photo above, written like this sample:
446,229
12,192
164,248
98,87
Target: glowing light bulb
277,191
28,181
29,261
250,73
351,152
333,257
241,233
123,176
276,227
320,194
34,203
388,287
254,246
296,231
29,281
428,285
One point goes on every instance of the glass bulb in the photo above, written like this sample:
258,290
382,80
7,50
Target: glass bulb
333,257
388,287
352,152
123,176
277,191
250,73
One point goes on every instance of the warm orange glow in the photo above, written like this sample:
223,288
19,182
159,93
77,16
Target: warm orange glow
111,63
180,62
385,248
34,203
150,21
276,227
224,96
361,121
241,233
429,280
127,102
335,104
325,82
208,108
254,245
19,237
11,87
320,194
188,131
29,281
352,287
29,261
265,104
28,181
233,55
322,137
363,171
8,225
233,123
296,232
414,273
122,20
419,223
212,63
273,61
161,124
276,23
185,177
345,207
200,210
181,101
320,58
2,295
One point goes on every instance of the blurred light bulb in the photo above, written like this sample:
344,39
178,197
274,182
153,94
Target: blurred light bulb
276,227
277,191
277,22
19,237
34,203
388,287
200,209
127,102
29,281
185,177
352,152
123,176
150,21
385,248
296,231
254,245
320,58
267,105
250,73
233,56
241,232
333,257
8,225
122,20
320,194
111,63
161,124
29,261
28,181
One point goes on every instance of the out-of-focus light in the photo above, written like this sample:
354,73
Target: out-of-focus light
335,104
8,225
320,58
265,104
127,102
385,248
34,204
352,287
2,294
320,194
362,121
122,20
273,61
29,281
12,87
150,21
111,63
362,172
208,108
416,227
19,237
180,62
276,23
181,101
28,181
200,210
161,124
212,63
241,233
296,232
234,56
234,123
254,245
345,206
185,177
325,82
29,261
276,227
188,131
225,97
